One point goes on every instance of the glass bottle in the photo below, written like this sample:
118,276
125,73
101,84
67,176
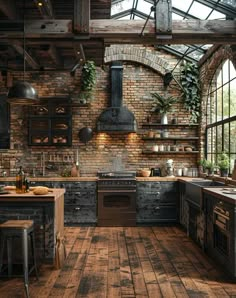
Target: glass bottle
20,177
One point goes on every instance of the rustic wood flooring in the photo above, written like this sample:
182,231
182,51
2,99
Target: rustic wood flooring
127,262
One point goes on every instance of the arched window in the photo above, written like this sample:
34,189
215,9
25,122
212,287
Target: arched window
221,114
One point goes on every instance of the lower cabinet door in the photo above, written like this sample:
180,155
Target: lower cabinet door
80,214
158,214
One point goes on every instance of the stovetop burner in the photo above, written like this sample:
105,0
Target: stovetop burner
116,174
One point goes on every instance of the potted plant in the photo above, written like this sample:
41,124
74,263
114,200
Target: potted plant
88,80
162,105
190,84
210,166
223,164
202,164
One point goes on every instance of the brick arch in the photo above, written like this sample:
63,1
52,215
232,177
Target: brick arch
145,56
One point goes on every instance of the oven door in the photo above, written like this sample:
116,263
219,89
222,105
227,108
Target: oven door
116,208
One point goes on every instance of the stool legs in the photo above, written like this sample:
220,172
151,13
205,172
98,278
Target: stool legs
9,255
2,251
25,261
32,238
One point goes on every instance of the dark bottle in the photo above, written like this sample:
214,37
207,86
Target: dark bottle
20,179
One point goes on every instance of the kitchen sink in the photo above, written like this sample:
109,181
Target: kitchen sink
207,183
194,190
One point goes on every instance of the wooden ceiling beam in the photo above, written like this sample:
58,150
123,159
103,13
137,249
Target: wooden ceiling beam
128,31
54,54
81,16
30,61
8,8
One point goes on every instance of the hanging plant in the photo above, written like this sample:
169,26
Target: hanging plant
88,80
190,83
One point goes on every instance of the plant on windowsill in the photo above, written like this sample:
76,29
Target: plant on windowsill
190,83
223,164
210,166
88,81
202,165
162,104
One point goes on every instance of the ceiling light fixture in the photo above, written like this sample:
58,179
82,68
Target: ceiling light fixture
22,93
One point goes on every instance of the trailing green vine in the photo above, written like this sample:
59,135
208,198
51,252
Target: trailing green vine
88,76
190,83
88,80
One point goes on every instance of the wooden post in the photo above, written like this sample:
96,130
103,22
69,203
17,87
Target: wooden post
163,16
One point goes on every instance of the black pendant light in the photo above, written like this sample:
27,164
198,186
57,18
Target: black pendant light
22,93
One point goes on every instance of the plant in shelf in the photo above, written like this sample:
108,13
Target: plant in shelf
190,84
162,105
88,81
223,164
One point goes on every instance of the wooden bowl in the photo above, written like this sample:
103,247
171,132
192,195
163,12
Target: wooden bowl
145,173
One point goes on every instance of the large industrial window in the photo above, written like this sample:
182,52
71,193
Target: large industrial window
221,114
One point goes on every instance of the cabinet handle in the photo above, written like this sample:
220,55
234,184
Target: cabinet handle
77,208
77,193
157,208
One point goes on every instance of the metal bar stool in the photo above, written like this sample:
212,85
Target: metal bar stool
22,229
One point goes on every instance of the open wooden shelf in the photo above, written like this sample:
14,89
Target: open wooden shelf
169,152
170,125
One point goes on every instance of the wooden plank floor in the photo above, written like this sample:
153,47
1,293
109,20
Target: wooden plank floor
127,262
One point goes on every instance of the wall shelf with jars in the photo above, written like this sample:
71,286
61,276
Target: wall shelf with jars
50,123
171,138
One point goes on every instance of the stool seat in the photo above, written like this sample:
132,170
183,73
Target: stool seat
17,224
23,229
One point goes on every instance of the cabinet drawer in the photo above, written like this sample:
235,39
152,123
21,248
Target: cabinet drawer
81,197
157,214
80,214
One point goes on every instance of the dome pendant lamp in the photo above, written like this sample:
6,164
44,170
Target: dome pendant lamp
22,93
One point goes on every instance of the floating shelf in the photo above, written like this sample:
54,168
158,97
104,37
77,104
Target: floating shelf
171,138
169,152
170,125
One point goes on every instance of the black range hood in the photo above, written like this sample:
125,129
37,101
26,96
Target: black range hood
116,118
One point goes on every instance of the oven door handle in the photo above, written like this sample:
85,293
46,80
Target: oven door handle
220,214
116,190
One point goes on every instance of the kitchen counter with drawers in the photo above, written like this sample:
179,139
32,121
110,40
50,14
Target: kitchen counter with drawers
47,212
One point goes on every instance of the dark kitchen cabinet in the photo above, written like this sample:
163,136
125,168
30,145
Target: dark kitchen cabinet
4,122
80,201
157,202
220,233
50,123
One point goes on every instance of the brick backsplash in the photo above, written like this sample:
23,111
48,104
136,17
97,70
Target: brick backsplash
103,150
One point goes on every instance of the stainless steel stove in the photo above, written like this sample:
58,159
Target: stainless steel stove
117,198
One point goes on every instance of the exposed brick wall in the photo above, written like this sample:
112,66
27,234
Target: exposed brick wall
101,152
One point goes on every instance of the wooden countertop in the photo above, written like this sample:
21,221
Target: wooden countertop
94,178
12,196
45,178
222,194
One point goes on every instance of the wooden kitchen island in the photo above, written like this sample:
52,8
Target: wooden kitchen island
47,212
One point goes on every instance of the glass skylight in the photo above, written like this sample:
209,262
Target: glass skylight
181,9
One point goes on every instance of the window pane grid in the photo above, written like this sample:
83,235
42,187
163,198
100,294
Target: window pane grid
221,114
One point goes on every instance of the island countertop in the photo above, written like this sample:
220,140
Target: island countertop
12,196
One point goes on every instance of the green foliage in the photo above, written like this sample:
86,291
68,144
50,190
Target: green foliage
191,90
88,76
162,104
210,165
223,161
203,163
